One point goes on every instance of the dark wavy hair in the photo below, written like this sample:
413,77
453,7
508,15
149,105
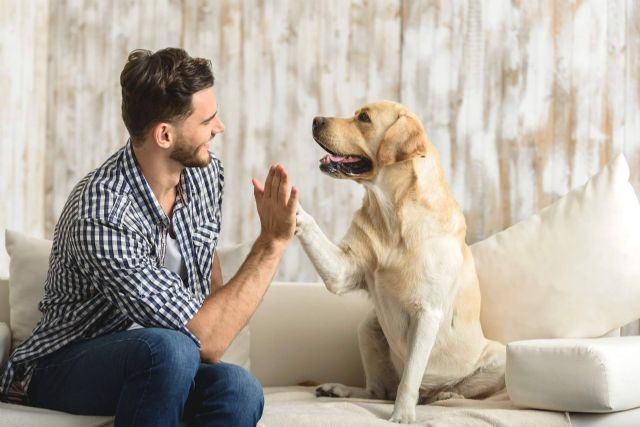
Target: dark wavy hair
157,87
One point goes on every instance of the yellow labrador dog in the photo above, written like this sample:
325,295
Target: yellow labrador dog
406,247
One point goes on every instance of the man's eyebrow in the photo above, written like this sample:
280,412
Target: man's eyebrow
210,118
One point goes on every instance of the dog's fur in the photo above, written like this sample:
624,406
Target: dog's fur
405,247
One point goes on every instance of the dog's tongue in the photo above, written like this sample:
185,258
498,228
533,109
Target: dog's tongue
338,159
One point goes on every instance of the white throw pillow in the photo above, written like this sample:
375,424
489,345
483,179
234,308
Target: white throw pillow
577,375
572,270
28,266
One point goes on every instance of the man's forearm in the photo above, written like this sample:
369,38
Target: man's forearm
225,312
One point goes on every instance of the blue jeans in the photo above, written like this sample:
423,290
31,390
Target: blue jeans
146,377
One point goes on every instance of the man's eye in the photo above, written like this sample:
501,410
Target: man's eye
364,117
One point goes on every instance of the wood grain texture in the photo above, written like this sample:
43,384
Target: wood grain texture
524,100
23,55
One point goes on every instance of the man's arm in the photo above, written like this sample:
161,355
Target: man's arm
226,310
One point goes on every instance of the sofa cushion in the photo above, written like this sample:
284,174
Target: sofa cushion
299,407
12,415
302,332
571,270
28,265
578,375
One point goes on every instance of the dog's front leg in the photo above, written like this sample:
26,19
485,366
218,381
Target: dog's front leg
423,328
333,264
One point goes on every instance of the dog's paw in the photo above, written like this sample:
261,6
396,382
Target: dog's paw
443,395
303,220
333,390
403,413
446,395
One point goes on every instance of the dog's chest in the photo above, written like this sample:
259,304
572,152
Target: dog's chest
408,279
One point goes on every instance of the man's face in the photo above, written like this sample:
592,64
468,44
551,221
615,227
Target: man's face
191,148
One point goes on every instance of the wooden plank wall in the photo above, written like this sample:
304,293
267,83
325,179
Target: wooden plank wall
524,99
23,71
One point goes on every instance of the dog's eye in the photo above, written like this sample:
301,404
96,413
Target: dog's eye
364,117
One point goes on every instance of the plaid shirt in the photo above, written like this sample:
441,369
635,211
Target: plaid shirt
106,265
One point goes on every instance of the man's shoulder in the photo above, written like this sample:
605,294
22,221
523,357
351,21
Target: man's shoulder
105,194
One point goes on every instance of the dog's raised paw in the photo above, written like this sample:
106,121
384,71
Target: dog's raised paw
303,220
332,390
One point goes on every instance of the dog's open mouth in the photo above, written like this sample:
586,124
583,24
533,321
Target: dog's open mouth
347,164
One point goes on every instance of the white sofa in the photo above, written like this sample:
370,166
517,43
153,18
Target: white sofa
303,333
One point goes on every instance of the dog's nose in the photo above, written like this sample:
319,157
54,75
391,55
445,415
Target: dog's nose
318,122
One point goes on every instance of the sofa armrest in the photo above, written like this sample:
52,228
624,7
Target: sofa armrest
576,375
5,344
302,332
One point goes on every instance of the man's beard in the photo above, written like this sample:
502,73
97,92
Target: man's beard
187,156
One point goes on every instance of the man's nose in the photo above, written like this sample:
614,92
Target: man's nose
218,127
318,122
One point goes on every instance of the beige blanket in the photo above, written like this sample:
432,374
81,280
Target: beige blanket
298,406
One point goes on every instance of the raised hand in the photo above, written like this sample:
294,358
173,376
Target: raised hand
276,205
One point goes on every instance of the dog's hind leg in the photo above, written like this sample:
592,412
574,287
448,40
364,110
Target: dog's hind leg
381,377
489,377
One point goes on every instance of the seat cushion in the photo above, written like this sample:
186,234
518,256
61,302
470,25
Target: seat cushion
299,407
575,261
26,416
577,375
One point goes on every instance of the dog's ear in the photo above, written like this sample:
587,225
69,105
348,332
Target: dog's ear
404,140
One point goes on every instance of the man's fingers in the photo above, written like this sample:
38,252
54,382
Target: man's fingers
283,189
275,182
257,185
268,182
258,189
293,200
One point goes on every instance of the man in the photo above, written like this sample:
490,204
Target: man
135,317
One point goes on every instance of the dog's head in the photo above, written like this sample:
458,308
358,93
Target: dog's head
377,135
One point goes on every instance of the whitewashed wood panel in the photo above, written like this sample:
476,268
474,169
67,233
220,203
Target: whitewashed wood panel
23,54
525,100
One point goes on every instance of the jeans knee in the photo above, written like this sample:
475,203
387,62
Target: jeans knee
248,386
243,396
171,354
247,390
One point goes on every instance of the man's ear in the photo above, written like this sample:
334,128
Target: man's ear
162,134
404,140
